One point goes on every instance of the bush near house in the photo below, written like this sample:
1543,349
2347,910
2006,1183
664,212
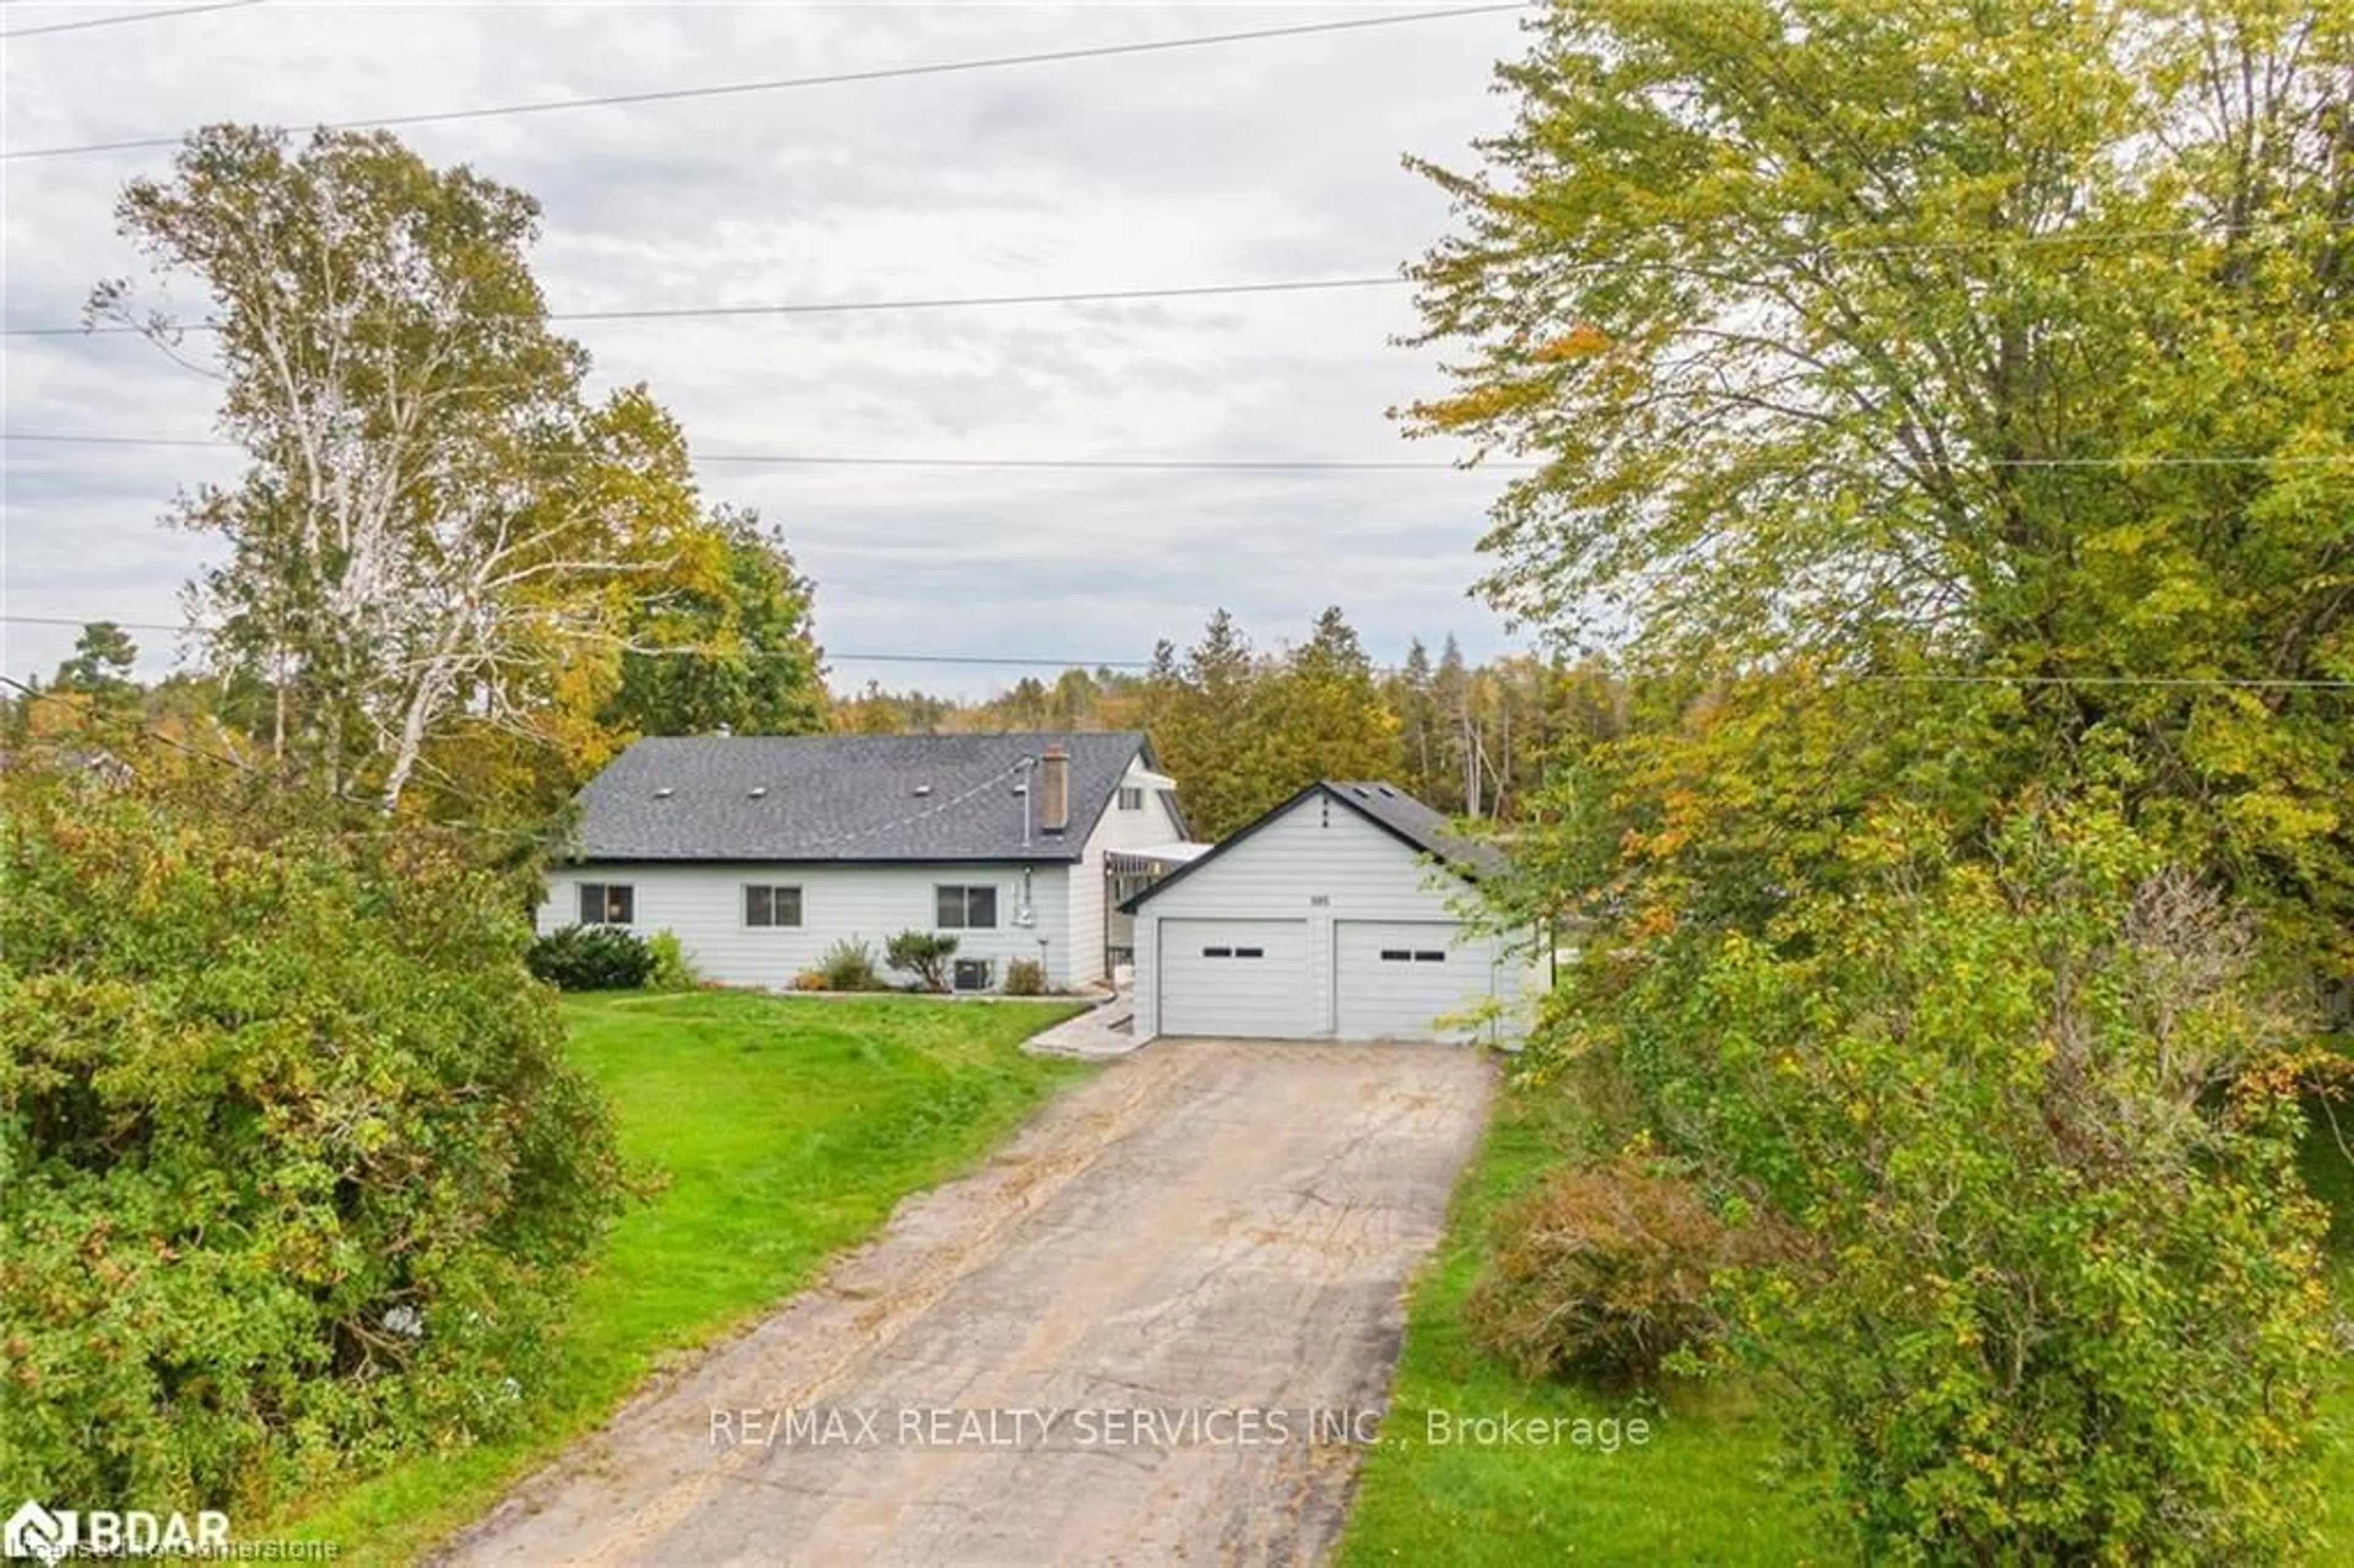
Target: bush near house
1025,977
849,965
594,958
924,954
292,1170
672,969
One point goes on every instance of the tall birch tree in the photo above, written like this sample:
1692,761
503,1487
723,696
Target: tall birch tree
436,518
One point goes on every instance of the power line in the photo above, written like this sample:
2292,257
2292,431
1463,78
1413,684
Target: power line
2217,683
784,84
692,652
846,307
1260,465
132,16
1204,291
799,460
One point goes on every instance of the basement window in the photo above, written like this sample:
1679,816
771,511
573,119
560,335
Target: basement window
766,904
973,974
608,903
965,908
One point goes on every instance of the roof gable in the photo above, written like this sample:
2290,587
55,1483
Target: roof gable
1386,807
845,798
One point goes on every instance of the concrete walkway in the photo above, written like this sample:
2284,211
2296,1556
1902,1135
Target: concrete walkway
1099,1034
1149,1332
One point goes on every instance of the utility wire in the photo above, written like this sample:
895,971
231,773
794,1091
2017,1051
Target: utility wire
1260,465
785,84
1204,291
125,20
842,307
2218,683
827,654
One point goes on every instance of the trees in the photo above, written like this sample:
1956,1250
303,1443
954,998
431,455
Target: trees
295,1172
1906,339
758,671
102,659
436,522
1321,714
1241,731
1945,405
2053,1295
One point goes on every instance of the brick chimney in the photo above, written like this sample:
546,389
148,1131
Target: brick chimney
1055,789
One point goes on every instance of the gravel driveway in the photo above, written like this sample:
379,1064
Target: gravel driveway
1143,1333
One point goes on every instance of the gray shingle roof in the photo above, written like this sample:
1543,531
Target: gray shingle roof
1427,829
839,798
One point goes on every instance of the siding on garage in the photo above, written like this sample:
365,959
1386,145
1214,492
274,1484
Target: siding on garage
1319,862
704,905
1115,830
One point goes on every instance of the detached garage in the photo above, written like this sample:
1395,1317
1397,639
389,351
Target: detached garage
1334,916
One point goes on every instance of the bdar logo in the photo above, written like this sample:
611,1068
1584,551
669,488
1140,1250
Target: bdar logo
34,1532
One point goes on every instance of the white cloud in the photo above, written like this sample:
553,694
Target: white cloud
1253,161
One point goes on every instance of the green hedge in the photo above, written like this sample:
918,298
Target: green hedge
292,1170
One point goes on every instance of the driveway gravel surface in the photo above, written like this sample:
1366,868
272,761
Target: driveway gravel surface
1149,1330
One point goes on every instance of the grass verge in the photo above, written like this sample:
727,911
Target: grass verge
2329,1175
1698,1492
787,1130
1701,1490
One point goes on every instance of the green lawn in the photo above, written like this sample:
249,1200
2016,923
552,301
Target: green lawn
1697,1492
1701,1492
785,1129
2331,1174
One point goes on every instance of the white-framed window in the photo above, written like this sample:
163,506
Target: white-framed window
965,907
607,903
1131,797
1413,955
973,974
772,903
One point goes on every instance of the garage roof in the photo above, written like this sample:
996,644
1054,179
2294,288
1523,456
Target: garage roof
1385,806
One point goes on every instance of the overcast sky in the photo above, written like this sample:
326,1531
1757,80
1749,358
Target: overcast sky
1255,161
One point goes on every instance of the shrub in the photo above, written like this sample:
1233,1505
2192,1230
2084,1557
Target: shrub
849,965
2058,1298
924,954
672,969
292,1170
1025,977
592,957
811,980
1603,1271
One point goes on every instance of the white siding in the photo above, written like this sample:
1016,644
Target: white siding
1319,862
704,906
1155,824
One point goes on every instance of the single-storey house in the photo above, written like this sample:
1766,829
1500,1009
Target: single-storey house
760,852
1340,915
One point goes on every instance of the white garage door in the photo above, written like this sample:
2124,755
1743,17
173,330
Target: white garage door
1246,978
1397,979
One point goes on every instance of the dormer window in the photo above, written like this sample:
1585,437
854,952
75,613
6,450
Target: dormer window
1131,797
